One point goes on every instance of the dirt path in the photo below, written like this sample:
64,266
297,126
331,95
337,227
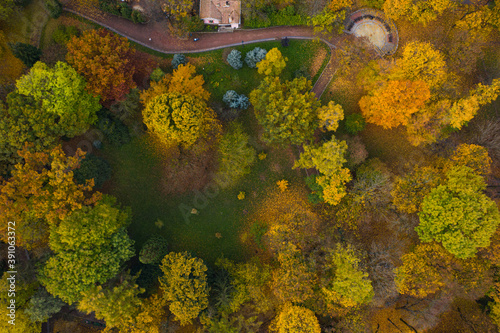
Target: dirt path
155,36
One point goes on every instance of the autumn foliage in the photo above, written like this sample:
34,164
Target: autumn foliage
105,60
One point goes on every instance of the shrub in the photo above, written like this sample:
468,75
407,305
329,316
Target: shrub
93,167
316,195
54,8
254,56
27,53
234,59
354,123
115,130
157,74
178,59
235,101
258,230
138,17
235,156
125,10
64,33
153,250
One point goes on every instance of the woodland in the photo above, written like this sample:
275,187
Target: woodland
215,192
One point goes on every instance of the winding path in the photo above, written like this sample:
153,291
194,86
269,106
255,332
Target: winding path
155,35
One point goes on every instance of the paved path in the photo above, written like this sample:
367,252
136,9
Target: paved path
162,41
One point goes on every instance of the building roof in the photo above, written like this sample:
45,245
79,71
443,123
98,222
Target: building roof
226,11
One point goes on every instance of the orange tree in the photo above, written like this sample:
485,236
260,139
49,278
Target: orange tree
105,60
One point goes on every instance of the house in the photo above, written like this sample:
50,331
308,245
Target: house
224,13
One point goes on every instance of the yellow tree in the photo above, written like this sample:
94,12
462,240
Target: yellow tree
185,81
179,119
329,116
273,64
296,319
328,159
472,156
335,5
177,8
393,104
415,10
41,193
184,284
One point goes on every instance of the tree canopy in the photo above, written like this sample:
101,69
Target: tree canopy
458,214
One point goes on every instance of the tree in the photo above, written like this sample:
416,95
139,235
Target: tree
40,193
10,66
293,281
184,283
394,104
297,319
372,185
185,81
6,9
335,5
116,306
179,119
354,123
327,20
472,156
421,62
157,74
235,101
235,156
273,64
329,116
27,53
90,245
42,306
93,167
61,91
458,214
178,59
287,111
254,56
344,283
251,281
411,188
463,110
176,8
153,250
416,11
105,61
328,159
234,59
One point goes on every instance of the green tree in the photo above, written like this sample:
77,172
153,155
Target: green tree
27,53
6,9
61,91
328,159
184,284
153,250
235,156
273,64
179,119
287,111
296,319
42,306
344,283
458,214
116,306
90,245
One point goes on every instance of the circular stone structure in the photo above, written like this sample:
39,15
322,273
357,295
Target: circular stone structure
372,24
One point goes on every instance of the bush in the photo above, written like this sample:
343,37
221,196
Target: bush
153,250
234,59
114,129
235,101
235,156
93,167
125,10
27,53
54,8
354,123
157,75
178,59
316,195
138,17
254,56
63,34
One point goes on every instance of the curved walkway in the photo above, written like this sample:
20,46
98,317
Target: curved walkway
155,36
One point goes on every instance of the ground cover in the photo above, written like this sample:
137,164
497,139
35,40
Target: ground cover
26,23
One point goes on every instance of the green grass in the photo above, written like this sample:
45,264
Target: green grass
136,184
